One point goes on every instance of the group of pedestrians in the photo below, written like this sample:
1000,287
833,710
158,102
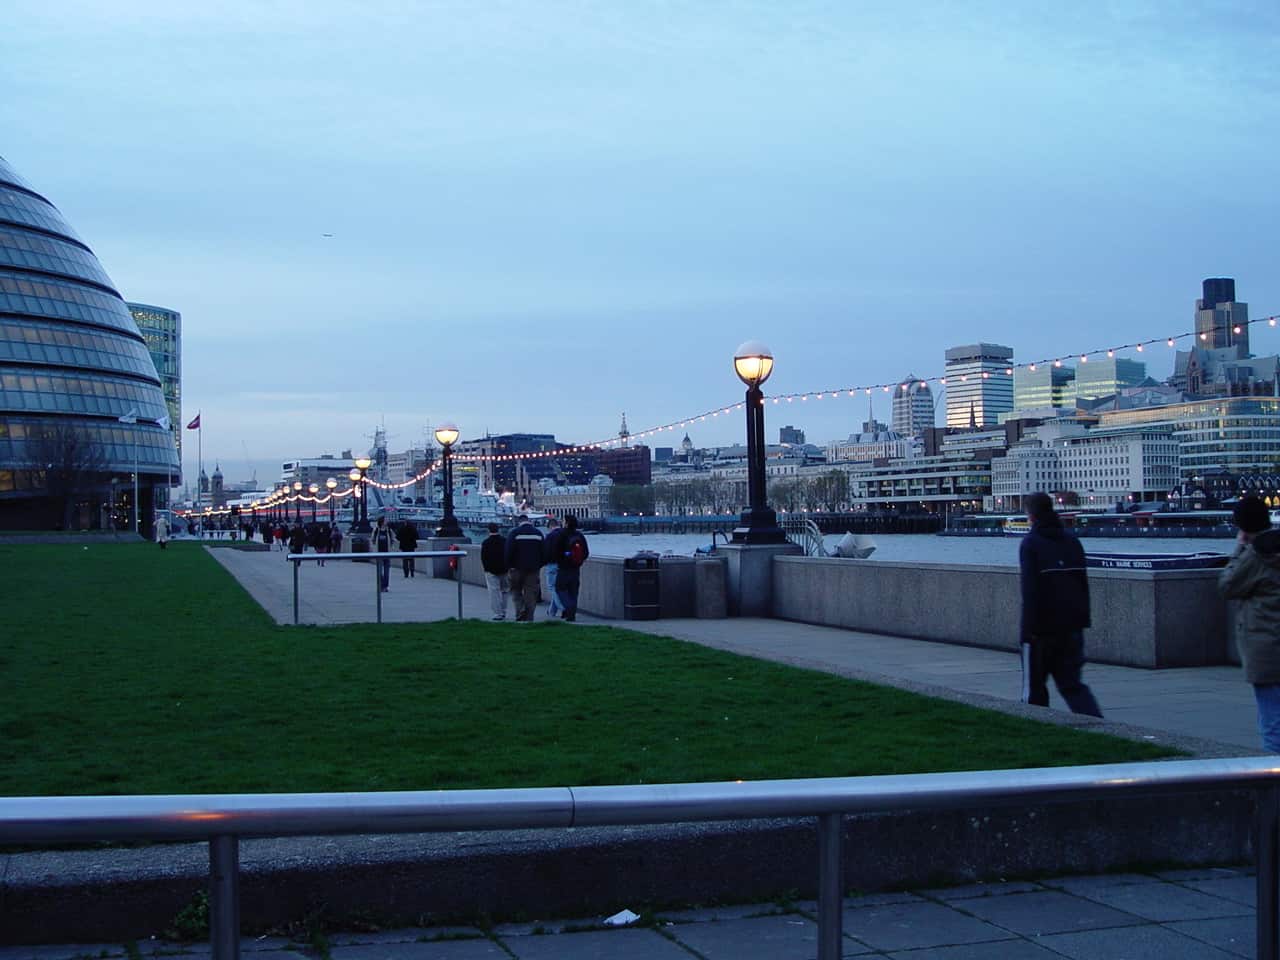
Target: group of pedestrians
406,538
515,564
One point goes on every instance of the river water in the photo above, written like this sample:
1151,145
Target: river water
914,548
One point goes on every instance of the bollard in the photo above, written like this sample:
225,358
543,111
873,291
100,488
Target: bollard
459,579
224,897
377,586
830,887
1267,833
296,564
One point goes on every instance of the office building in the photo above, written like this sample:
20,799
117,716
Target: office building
1221,321
979,382
1100,377
912,408
626,465
1237,434
161,328
791,435
1047,386
80,399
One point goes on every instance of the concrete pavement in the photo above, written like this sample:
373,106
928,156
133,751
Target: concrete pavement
1204,914
1211,704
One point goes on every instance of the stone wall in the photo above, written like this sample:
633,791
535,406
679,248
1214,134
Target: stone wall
1140,618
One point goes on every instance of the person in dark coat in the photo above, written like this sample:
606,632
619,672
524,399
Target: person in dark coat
524,562
493,558
571,552
407,535
1055,610
380,542
297,539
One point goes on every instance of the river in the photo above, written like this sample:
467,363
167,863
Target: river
913,548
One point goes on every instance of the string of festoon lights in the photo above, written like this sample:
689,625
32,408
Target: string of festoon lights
866,390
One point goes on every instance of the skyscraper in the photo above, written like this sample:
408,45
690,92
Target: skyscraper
161,328
1103,378
912,407
1045,386
979,384
1221,321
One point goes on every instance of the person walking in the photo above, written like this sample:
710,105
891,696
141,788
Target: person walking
162,532
1252,577
335,539
1055,610
407,535
493,558
523,556
381,542
571,553
297,539
552,568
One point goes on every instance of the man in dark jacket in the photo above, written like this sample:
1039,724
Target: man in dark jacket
1252,577
493,558
1055,610
380,542
407,535
524,561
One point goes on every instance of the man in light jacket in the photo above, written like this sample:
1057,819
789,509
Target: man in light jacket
1252,577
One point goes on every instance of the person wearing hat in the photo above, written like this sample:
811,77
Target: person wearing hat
1252,577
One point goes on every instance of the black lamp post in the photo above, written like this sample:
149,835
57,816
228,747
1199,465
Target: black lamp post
361,475
282,511
447,436
753,362
313,490
331,485
297,501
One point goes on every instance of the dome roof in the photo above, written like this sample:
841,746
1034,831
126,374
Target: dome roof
70,352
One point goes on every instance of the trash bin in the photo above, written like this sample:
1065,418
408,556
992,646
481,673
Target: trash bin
640,587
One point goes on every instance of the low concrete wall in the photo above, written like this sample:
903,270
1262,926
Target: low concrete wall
1141,618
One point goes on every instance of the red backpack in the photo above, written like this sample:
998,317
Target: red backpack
575,551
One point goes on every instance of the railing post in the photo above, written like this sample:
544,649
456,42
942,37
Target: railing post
296,565
458,577
1267,862
830,886
377,585
224,897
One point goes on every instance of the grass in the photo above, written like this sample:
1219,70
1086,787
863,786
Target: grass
133,670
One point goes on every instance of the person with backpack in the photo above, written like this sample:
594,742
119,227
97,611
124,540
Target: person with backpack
554,533
381,543
408,537
571,553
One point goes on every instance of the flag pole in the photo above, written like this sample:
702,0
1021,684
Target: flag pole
199,459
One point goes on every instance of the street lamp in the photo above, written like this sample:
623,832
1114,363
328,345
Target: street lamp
313,490
447,436
753,362
360,476
297,501
331,485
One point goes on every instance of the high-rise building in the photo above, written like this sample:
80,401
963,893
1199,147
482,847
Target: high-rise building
80,400
912,407
161,328
1045,386
979,384
1104,378
791,435
1221,321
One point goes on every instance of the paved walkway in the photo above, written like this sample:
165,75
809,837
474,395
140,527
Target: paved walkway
1209,703
1177,915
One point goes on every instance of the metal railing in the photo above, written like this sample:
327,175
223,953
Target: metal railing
224,819
804,533
300,558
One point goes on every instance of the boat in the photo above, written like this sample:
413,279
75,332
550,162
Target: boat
1156,561
1015,526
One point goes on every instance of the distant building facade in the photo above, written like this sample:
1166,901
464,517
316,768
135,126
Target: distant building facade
626,465
1105,377
1048,385
979,381
586,501
791,435
161,328
912,408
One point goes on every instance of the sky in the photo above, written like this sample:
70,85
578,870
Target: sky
546,214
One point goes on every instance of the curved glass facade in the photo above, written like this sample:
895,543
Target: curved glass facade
72,362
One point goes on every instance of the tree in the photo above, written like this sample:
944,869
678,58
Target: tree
68,459
631,498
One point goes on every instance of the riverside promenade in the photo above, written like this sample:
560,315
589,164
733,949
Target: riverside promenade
1208,711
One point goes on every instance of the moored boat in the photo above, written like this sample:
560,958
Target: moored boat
1156,561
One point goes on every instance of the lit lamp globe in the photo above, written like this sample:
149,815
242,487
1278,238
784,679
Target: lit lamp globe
446,434
354,476
753,362
331,485
313,489
297,486
363,463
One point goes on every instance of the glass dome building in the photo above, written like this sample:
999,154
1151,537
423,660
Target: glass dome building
81,406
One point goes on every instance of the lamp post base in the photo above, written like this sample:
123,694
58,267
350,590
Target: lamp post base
749,576
758,526
449,528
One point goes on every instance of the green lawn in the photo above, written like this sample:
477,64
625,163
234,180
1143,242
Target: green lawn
127,669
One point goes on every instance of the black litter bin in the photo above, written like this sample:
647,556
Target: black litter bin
640,587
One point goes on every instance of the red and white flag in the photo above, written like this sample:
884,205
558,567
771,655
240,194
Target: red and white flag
194,424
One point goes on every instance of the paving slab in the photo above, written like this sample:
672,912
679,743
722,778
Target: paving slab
910,926
970,891
1040,913
789,937
413,950
1003,950
629,944
1236,935
1132,943
1089,885
1241,890
1166,901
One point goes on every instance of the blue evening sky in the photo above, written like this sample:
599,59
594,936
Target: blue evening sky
547,213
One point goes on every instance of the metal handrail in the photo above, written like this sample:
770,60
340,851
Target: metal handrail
806,534
224,819
299,558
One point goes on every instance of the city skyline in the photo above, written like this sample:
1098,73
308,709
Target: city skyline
508,190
